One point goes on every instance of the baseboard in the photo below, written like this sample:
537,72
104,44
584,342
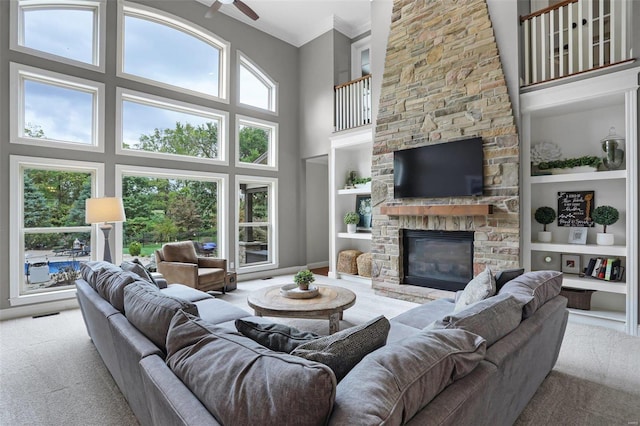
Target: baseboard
315,265
38,309
270,273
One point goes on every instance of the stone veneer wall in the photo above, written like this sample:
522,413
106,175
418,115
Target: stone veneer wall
443,81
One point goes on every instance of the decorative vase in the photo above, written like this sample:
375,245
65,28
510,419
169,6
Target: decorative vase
352,228
544,236
604,239
303,286
614,157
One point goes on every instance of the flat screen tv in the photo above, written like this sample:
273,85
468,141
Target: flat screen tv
450,169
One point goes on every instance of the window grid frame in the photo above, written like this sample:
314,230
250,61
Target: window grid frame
273,142
260,74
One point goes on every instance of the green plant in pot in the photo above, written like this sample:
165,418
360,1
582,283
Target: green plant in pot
544,216
351,219
303,279
605,216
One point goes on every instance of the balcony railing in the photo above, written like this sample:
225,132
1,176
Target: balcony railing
574,36
353,103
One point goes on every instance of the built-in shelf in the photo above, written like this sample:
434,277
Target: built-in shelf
585,283
365,191
355,236
581,249
579,177
439,210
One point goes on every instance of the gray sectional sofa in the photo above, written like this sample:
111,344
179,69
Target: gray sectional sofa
176,356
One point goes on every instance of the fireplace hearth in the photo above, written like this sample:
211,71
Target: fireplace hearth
441,260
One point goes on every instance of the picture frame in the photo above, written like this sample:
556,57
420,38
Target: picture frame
363,208
570,263
578,235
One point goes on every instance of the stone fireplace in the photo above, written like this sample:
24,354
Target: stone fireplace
443,81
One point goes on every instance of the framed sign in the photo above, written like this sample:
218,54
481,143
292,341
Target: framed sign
363,208
578,236
575,208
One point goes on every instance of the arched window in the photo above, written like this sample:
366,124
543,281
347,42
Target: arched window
256,89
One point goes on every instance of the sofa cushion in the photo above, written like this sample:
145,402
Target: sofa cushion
151,311
479,288
241,382
110,285
277,337
187,293
138,269
180,252
492,318
534,289
420,316
343,350
90,270
392,384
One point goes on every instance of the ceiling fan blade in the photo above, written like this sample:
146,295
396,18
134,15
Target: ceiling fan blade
246,9
213,9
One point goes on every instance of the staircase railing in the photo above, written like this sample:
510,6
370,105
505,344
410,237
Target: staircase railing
353,103
574,36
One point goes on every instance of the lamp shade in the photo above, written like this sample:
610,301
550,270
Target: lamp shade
106,209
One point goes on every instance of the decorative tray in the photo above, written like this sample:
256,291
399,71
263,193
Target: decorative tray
293,292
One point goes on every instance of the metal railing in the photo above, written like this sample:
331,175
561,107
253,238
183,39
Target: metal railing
353,103
574,36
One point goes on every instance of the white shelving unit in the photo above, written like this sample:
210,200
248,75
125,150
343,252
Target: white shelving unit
576,116
350,150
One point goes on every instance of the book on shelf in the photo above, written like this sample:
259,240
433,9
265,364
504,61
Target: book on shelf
602,269
606,269
596,267
589,269
613,268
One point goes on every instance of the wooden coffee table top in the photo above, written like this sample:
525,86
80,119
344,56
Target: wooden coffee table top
331,300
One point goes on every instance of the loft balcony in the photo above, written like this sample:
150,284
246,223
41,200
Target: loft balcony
353,104
573,37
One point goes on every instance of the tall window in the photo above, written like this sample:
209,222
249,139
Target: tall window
257,89
166,51
71,31
50,234
256,143
162,127
257,237
165,205
56,110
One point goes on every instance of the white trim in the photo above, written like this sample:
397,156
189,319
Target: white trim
16,214
41,308
16,33
164,18
356,51
316,265
166,103
272,128
20,73
260,74
221,179
272,225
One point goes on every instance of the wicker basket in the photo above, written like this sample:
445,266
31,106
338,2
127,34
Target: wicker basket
347,263
578,299
364,265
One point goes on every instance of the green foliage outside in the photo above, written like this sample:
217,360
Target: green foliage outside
186,139
605,215
254,145
135,248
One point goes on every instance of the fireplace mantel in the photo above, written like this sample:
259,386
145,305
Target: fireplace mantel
439,210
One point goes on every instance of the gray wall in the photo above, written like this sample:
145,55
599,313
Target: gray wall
341,58
277,58
317,207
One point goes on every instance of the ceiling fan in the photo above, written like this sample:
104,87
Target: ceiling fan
237,3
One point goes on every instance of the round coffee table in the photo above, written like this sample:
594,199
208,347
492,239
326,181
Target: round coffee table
330,303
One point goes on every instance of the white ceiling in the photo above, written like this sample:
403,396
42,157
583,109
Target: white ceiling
299,21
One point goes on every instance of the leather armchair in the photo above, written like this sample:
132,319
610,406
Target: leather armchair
179,263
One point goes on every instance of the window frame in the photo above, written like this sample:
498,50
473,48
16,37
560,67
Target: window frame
222,180
260,74
272,225
273,142
16,218
16,34
174,105
139,11
20,73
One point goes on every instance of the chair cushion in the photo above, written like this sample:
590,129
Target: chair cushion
343,350
241,382
151,310
210,275
110,285
492,318
392,384
277,337
183,252
90,270
534,289
138,269
479,288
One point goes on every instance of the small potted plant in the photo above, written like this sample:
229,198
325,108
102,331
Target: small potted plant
544,216
351,219
303,279
605,215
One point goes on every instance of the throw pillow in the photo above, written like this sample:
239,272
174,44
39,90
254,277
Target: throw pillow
180,252
391,385
91,270
534,289
343,350
243,383
110,285
138,269
479,288
277,337
503,277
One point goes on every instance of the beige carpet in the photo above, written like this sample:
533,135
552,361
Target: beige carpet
51,374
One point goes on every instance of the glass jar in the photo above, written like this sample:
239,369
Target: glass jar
613,146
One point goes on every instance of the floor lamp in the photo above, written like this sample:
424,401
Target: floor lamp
102,211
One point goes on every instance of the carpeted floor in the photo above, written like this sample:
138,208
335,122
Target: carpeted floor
51,374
